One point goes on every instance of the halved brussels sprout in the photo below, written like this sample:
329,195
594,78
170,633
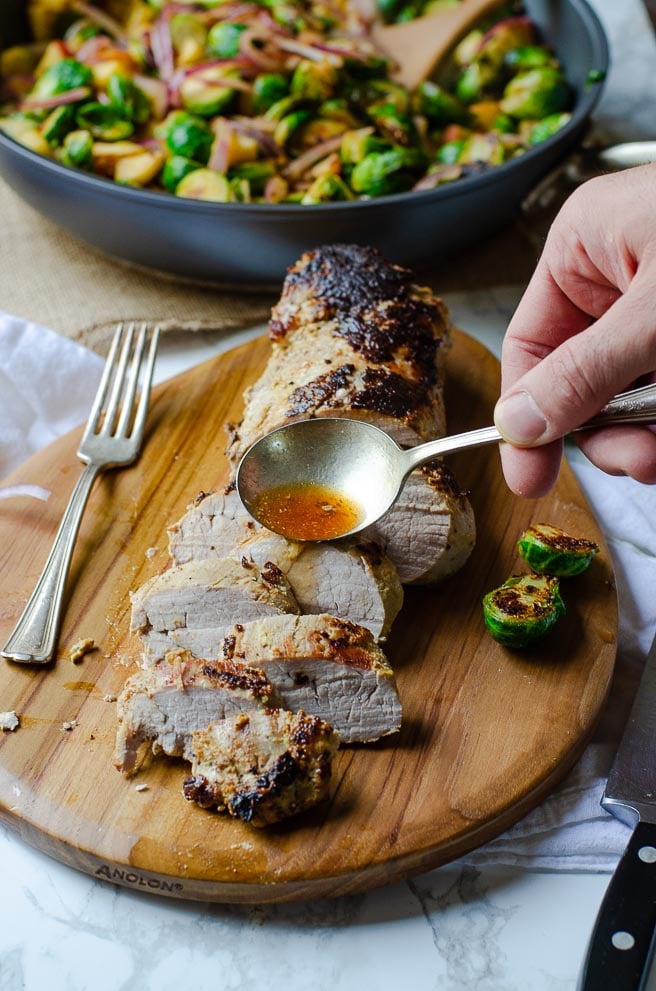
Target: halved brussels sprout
128,99
315,80
175,169
23,129
486,148
528,57
465,51
223,39
65,75
285,106
58,124
400,128
385,172
357,144
290,125
439,106
382,92
327,189
523,609
78,150
547,127
189,37
205,184
104,122
269,88
206,92
257,174
536,94
187,136
475,80
551,551
449,153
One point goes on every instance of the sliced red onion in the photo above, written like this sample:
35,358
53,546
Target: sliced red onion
310,157
220,154
233,11
161,45
522,21
90,51
341,51
265,141
33,491
256,55
99,17
311,52
275,189
432,179
49,103
157,92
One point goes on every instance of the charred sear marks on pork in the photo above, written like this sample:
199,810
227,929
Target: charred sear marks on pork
322,391
262,767
237,676
391,394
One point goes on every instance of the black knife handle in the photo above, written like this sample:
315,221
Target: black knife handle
619,948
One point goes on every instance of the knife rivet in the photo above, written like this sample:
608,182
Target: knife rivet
647,854
622,941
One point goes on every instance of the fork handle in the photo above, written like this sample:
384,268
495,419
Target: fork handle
34,638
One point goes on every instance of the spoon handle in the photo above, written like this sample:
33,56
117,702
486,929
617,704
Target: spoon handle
635,406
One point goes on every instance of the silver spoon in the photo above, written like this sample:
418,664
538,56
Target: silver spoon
362,465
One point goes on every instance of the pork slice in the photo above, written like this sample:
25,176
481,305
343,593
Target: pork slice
262,766
162,707
325,666
209,596
352,581
430,531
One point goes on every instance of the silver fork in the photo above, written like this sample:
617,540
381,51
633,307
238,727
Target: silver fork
112,438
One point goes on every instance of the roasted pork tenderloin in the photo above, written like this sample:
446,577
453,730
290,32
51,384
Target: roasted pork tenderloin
352,335
262,766
206,598
325,666
160,708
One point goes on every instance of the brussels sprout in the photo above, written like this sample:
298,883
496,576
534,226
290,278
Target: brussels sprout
241,190
475,80
318,130
269,88
223,39
439,106
389,9
138,170
504,124
551,551
130,101
78,150
187,136
188,37
523,609
465,51
408,13
382,92
486,148
338,109
449,153
256,173
357,144
205,93
314,80
104,122
289,126
58,124
79,32
327,189
547,127
384,172
175,169
281,108
22,129
594,76
62,77
536,94
528,57
398,127
205,184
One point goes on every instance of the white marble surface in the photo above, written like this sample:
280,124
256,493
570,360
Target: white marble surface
454,929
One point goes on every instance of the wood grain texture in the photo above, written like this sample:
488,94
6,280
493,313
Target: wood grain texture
487,732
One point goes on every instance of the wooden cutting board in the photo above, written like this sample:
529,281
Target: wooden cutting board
487,732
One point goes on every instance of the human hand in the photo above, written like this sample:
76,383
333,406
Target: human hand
584,330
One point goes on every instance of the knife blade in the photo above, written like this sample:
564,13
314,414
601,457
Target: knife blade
622,942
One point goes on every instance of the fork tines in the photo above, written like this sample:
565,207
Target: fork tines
129,369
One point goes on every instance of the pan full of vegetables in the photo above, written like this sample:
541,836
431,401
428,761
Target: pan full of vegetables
218,138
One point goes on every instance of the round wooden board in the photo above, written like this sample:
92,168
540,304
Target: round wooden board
487,732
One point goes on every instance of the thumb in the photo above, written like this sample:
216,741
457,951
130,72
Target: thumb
579,376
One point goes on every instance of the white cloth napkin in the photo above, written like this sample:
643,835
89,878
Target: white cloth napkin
47,384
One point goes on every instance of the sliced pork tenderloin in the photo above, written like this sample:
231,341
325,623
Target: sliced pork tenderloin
162,707
209,596
352,581
325,666
352,336
262,767
430,531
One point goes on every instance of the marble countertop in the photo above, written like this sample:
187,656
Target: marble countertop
453,929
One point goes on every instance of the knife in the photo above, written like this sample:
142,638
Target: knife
622,942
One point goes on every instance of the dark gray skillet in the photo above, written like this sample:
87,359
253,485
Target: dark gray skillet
251,245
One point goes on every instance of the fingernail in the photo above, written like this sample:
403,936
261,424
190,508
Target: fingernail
519,419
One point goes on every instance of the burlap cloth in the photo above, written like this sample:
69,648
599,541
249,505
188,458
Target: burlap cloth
50,277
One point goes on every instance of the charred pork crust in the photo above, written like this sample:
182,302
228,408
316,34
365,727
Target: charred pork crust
262,781
272,575
321,391
236,676
442,479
